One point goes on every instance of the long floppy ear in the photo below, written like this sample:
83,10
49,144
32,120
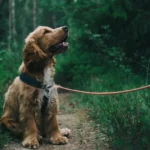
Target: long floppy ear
34,57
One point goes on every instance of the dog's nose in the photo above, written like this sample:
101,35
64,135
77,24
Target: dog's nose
65,28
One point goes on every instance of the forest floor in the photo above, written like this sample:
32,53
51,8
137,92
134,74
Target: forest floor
83,135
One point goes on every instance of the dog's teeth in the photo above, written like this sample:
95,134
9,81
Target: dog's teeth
65,44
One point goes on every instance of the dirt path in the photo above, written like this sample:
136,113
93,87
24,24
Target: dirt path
82,134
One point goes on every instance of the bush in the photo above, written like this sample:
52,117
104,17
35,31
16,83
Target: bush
8,70
9,67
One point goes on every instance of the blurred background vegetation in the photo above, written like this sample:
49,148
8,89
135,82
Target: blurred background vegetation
109,51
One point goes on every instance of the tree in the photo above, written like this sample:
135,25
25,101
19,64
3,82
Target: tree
34,13
12,27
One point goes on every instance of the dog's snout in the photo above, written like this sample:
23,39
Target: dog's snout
65,29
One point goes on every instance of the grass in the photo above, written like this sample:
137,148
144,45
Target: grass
125,118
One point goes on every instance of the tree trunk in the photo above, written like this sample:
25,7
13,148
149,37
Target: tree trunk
34,14
1,2
13,20
10,25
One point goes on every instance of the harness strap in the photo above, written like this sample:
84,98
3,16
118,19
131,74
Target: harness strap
44,105
47,89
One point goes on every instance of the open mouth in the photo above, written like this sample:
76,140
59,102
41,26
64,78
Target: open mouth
59,48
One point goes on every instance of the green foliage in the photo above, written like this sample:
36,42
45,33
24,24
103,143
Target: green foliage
9,63
108,31
9,67
125,118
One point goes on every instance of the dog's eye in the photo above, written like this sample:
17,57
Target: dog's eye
46,31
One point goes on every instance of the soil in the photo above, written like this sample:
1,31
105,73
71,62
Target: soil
83,135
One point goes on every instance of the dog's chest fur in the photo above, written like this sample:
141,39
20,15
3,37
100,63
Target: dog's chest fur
52,95
49,91
47,81
48,76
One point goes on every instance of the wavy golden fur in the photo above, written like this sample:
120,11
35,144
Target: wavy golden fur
22,107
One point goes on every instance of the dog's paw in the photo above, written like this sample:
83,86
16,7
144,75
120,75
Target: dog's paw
31,143
65,132
59,139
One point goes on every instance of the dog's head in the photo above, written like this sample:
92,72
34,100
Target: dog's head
42,44
50,41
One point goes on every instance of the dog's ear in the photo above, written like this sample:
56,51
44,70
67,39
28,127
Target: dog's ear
32,49
33,56
31,45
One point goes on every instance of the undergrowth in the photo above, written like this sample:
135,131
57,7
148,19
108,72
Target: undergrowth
124,118
9,63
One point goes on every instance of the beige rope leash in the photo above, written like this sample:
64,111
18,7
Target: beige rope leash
103,93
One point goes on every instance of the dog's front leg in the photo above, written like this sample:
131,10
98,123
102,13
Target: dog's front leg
31,133
54,132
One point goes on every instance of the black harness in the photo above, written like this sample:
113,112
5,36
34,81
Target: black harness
37,84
